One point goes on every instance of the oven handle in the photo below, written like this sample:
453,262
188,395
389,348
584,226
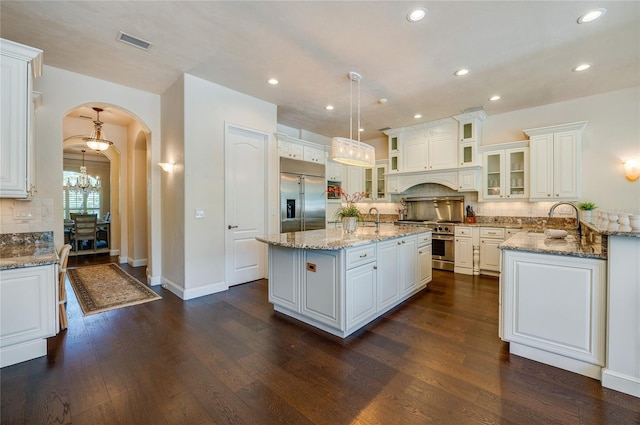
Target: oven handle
442,237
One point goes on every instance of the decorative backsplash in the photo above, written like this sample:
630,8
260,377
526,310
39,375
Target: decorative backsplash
35,215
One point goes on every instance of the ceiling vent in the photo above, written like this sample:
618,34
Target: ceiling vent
384,129
133,41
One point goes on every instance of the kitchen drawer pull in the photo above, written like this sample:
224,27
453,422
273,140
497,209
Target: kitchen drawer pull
232,227
363,255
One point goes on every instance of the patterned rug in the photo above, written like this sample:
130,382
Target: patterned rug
106,287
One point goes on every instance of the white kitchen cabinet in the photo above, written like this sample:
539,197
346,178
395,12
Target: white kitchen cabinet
28,312
490,240
361,295
425,263
313,154
506,173
470,136
285,272
375,181
463,250
388,272
290,150
321,297
335,171
408,264
431,148
468,180
553,309
18,66
355,179
555,162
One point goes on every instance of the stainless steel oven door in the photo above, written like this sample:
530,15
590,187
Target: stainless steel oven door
442,252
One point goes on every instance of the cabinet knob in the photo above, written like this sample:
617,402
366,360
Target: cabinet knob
548,194
398,243
403,242
557,194
375,267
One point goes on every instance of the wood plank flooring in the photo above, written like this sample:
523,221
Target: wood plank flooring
229,359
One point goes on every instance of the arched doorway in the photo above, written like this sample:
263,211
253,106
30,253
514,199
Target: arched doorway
128,169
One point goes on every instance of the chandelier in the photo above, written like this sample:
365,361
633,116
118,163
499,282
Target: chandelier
84,183
349,151
95,141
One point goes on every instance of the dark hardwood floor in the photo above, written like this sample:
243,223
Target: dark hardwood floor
229,359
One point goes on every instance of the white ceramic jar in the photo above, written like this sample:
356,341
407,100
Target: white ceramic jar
623,219
634,221
613,217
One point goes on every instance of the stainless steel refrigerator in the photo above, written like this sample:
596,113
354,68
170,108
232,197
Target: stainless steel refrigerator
303,200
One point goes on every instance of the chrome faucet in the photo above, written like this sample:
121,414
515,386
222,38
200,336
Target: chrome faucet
578,227
377,218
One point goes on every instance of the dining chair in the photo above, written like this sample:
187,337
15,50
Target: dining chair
63,256
84,229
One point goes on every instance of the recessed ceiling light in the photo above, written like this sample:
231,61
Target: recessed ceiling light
416,116
461,72
329,107
494,98
272,81
582,67
361,129
417,14
592,15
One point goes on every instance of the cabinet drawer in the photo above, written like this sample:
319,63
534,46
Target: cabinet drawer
492,233
361,255
463,231
424,239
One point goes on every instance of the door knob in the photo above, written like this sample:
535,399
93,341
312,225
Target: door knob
232,227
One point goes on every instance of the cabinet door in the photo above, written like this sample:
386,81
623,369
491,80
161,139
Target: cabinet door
355,179
408,264
380,181
414,152
284,275
493,176
369,183
360,295
516,173
468,181
388,272
490,254
541,167
28,304
290,150
463,253
335,171
425,265
443,147
313,155
320,289
566,172
14,107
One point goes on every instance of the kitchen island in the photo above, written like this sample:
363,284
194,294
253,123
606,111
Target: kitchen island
338,281
575,303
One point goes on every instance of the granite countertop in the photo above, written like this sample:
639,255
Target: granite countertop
539,243
13,256
612,229
335,239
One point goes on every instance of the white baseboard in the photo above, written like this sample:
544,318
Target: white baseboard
189,294
136,263
18,353
572,365
619,382
154,280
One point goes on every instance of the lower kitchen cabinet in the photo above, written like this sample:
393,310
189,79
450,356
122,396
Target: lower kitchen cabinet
408,265
284,276
490,240
360,298
553,309
321,298
388,275
425,263
463,250
28,312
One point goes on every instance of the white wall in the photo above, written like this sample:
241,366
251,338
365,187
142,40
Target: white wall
62,91
612,135
207,107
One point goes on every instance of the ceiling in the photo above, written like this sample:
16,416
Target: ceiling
522,50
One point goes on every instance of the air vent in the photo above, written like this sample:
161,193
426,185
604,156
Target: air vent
133,41
384,129
85,117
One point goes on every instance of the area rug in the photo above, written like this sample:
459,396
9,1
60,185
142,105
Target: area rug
106,287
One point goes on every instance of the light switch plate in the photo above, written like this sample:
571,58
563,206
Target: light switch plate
199,213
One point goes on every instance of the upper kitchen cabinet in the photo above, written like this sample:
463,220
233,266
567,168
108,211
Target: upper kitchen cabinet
394,150
290,147
335,171
431,146
470,136
19,64
505,172
555,162
375,182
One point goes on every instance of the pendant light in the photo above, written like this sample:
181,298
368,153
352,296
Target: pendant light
95,141
349,151
84,183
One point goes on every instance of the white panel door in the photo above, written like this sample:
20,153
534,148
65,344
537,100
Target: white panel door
245,204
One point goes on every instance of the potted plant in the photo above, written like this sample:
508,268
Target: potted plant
586,208
349,214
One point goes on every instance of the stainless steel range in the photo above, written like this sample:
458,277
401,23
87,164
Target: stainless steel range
440,215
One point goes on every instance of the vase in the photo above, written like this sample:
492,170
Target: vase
349,224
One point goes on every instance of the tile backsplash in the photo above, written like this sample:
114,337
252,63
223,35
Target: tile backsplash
26,216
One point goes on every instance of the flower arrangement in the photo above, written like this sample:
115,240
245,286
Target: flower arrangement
350,210
587,206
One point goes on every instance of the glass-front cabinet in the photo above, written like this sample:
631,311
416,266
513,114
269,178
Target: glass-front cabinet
375,182
506,174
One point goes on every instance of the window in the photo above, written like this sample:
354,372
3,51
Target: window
79,202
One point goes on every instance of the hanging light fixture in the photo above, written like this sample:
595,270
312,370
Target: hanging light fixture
84,183
95,141
349,151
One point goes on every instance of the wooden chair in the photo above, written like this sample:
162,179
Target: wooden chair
63,256
84,229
